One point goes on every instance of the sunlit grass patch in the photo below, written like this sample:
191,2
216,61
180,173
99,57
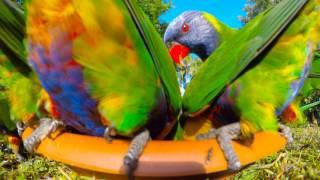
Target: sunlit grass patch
300,160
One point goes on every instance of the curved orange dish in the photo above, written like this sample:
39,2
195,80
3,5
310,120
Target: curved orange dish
160,158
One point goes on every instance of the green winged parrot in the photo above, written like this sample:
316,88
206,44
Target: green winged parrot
23,100
20,96
101,64
20,102
21,93
64,35
251,75
102,77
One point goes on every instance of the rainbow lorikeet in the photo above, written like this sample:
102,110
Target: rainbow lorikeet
102,65
249,75
102,74
15,107
20,97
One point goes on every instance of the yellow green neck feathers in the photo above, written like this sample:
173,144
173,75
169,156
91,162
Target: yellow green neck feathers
223,30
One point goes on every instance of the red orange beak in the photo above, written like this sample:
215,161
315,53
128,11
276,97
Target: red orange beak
178,52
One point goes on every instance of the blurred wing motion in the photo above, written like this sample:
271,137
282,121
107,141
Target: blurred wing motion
159,54
12,31
95,65
231,58
19,87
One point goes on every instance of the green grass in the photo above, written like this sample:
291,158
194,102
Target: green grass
300,160
32,167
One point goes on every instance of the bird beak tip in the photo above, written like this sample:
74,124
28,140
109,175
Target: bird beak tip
178,52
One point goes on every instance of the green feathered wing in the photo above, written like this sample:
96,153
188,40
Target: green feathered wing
122,64
19,86
133,83
279,54
273,83
159,53
19,95
223,67
12,31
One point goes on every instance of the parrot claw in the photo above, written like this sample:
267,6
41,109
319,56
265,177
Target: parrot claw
20,128
109,133
224,136
136,147
212,134
46,127
286,132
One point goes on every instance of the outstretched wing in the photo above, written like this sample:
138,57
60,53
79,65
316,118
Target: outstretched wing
19,94
117,64
19,88
159,54
234,55
12,34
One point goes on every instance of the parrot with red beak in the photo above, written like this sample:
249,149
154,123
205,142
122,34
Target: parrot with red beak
195,32
251,74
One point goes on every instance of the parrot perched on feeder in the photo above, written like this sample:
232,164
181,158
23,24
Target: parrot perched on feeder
105,68
20,97
252,74
19,93
22,100
124,90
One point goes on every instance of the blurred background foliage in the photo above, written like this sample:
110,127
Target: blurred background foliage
153,9
254,7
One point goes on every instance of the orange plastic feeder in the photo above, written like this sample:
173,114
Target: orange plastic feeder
94,155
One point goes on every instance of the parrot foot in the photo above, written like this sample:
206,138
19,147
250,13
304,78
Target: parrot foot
285,131
46,127
20,128
109,133
136,147
224,135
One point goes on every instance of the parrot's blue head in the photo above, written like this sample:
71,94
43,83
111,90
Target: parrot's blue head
191,30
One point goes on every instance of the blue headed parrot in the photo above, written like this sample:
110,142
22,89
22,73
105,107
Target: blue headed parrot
249,76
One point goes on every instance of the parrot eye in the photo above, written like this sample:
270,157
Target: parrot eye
185,28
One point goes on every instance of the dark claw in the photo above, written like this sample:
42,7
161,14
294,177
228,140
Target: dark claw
31,143
46,127
130,164
235,165
286,132
20,128
109,133
212,134
136,148
19,157
224,136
